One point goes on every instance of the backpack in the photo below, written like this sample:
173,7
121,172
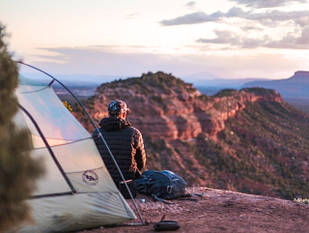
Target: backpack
165,184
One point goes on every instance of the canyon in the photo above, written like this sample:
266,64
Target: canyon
247,140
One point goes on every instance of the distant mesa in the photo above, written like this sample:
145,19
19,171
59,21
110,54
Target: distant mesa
301,75
296,86
301,72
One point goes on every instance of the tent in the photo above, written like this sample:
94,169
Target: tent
76,191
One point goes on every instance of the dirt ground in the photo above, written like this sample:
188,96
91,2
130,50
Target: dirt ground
221,211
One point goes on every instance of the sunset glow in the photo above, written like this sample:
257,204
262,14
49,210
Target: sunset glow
197,39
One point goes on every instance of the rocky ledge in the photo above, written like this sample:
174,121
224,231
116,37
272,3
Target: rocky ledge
222,211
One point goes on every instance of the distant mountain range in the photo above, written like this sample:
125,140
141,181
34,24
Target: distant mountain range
212,86
296,86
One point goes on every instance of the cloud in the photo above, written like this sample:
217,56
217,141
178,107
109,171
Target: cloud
304,39
299,17
193,18
253,22
233,39
104,60
302,21
290,41
267,3
132,15
191,4
223,37
251,28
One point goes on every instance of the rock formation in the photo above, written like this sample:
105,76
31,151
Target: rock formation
248,140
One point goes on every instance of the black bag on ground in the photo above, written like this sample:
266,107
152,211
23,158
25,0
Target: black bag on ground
165,184
166,226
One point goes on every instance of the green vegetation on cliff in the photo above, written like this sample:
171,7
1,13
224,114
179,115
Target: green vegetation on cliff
149,81
274,138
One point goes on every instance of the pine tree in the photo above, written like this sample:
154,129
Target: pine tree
18,170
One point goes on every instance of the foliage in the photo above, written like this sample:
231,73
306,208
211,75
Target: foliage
147,82
259,91
270,136
262,150
226,92
68,106
18,170
157,153
204,98
165,81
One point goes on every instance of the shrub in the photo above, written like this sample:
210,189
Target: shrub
226,93
18,170
259,91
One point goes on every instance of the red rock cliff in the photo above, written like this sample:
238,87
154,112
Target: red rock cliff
166,107
248,140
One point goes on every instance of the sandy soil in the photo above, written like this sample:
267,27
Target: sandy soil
221,211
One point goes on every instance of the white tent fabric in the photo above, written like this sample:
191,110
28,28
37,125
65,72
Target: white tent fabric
97,200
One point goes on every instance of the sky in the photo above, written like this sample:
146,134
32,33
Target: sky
194,40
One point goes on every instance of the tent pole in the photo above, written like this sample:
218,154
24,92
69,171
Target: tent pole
48,148
96,128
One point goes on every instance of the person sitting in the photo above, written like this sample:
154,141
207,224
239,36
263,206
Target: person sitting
125,142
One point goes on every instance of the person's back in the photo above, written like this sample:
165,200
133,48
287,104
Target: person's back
125,142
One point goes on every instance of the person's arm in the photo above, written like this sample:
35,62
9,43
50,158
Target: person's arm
140,156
